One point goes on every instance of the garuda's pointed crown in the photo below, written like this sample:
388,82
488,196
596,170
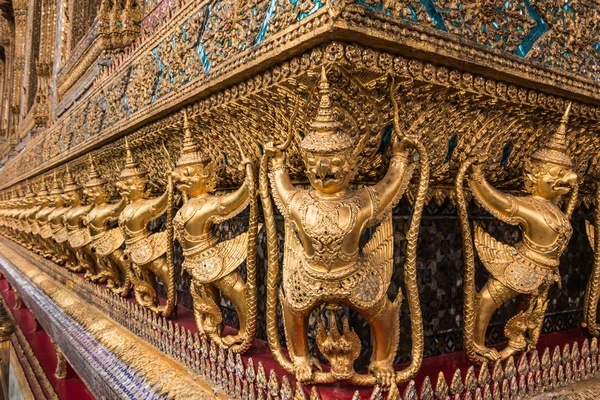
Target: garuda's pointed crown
554,150
131,168
28,192
190,152
56,189
325,136
43,188
94,179
70,184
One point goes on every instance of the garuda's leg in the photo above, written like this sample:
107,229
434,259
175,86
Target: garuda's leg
72,263
491,297
160,267
384,322
233,287
87,261
118,258
540,304
143,286
296,329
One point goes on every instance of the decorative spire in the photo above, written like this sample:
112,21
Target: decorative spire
131,167
554,150
70,184
326,136
190,153
43,188
94,178
28,192
56,189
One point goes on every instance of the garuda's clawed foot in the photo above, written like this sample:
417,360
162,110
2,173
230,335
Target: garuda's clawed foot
160,310
119,290
303,368
384,372
230,340
490,354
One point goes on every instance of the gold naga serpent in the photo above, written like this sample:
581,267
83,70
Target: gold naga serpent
592,294
410,268
252,242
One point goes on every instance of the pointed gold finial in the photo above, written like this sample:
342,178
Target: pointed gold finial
28,192
43,188
190,152
56,189
554,151
94,178
131,167
326,136
70,184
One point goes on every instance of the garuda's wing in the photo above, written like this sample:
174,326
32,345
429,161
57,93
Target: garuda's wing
379,251
292,252
494,255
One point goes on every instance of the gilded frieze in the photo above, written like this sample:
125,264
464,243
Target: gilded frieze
573,39
559,34
459,101
142,83
180,55
185,58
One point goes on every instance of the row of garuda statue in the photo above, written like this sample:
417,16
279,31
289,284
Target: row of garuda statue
323,264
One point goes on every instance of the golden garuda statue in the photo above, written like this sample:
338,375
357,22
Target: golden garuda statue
104,242
78,235
147,251
592,291
45,232
56,220
39,202
323,263
28,203
214,266
524,271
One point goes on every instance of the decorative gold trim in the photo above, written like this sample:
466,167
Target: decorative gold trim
136,353
20,375
27,359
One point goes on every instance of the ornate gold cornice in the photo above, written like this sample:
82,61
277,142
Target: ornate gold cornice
86,52
344,20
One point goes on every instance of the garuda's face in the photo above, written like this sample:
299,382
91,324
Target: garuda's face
191,179
57,200
52,200
329,173
70,198
132,188
96,194
555,181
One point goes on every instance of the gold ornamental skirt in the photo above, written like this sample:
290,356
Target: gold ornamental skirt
79,238
107,242
510,267
148,249
46,231
61,236
362,289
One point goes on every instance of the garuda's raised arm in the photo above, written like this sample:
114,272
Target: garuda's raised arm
503,206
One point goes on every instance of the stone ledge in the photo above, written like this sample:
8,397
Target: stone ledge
113,362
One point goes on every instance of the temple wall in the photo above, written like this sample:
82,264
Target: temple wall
95,86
